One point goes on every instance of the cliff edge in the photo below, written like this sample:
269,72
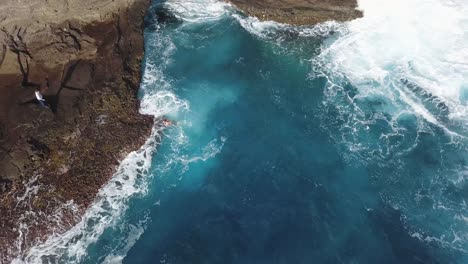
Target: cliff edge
300,12
85,57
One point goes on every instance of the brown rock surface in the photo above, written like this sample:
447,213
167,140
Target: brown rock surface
300,12
85,56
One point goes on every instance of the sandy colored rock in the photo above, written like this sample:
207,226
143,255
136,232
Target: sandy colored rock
300,12
85,56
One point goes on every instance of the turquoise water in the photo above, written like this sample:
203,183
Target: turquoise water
282,152
281,190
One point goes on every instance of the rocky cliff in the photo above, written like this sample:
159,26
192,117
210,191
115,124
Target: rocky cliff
300,12
85,56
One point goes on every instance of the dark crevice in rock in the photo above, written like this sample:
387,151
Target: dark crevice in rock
68,74
119,33
72,88
15,40
3,52
5,185
38,148
68,39
3,133
74,27
23,62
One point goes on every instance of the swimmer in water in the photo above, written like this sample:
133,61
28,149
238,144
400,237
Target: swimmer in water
166,122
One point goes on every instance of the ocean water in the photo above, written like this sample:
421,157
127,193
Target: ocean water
339,143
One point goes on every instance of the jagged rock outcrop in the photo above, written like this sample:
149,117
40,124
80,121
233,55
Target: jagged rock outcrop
85,56
300,12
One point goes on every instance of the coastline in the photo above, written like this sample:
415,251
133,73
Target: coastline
349,185
300,13
53,161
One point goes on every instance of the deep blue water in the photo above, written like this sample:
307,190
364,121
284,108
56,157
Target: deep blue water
271,163
280,190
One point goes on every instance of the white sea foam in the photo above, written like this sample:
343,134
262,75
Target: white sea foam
131,236
213,148
263,29
24,200
407,65
31,190
276,31
420,42
158,99
162,103
198,11
110,203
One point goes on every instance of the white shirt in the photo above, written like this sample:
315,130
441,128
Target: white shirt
39,96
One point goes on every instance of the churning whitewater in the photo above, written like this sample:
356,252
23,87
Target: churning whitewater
338,143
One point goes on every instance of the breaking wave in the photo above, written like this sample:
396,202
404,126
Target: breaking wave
198,11
393,78
403,58
279,32
396,84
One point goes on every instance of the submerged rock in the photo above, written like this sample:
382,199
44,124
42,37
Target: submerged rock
85,57
300,12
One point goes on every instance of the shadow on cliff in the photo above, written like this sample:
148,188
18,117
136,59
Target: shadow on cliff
51,100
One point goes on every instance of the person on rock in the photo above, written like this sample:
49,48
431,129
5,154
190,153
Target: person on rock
40,98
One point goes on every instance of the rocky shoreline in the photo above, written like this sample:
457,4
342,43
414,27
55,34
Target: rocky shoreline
86,58
300,12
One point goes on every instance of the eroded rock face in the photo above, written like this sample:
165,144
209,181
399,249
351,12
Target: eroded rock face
85,56
300,12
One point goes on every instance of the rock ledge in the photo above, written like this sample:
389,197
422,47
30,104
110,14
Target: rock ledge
85,55
300,12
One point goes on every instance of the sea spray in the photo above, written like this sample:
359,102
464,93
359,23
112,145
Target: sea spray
400,42
395,82
198,11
